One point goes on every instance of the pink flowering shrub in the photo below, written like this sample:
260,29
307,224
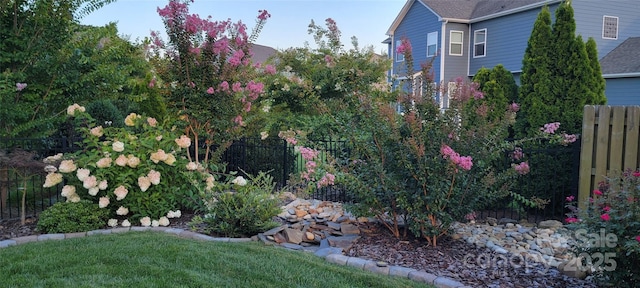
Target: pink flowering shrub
318,170
608,230
429,167
206,72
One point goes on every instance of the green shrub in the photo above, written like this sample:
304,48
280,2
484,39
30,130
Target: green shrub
240,207
607,232
68,217
104,111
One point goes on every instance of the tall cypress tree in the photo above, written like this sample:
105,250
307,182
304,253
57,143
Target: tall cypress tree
570,71
534,97
575,92
597,82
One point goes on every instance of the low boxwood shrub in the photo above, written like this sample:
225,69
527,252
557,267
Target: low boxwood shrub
68,217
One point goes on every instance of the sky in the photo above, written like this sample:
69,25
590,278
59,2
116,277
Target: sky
368,20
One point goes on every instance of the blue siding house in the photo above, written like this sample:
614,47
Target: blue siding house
463,36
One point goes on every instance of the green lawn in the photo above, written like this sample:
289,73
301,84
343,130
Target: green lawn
152,259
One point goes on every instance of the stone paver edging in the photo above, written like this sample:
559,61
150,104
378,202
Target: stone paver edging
334,256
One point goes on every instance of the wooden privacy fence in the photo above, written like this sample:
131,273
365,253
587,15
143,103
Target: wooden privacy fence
609,145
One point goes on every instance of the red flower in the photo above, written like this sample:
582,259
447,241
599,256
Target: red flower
605,217
597,192
572,220
638,238
636,174
606,208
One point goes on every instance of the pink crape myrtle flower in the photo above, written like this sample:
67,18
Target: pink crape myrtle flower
263,14
236,87
522,168
270,69
464,162
514,107
210,90
224,86
326,180
404,47
308,153
21,86
550,128
517,154
569,138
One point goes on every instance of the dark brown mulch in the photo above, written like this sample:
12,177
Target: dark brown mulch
451,258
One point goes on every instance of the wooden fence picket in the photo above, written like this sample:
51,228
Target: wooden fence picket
610,145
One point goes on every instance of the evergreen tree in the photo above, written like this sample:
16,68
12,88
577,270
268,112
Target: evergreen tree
507,84
597,82
535,96
575,92
570,71
499,89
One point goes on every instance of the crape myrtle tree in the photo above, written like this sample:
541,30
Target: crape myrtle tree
422,167
205,71
559,75
40,59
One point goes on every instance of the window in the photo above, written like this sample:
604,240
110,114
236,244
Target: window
455,43
610,27
480,43
399,56
432,44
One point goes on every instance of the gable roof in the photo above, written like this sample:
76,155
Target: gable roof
468,11
623,59
261,53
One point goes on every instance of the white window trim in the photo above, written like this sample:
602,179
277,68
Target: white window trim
476,43
399,57
434,44
461,43
604,17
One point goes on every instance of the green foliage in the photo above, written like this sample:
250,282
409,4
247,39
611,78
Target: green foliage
427,167
105,113
606,232
598,83
558,79
61,61
241,207
69,217
313,83
535,95
499,89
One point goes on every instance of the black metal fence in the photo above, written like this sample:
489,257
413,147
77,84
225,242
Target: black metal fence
554,174
17,183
